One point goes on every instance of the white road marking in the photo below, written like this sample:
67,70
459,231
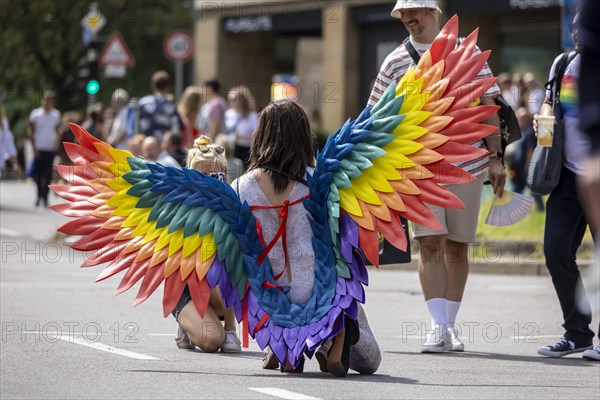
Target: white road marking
284,394
103,347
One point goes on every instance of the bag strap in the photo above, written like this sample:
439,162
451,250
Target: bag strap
561,68
414,54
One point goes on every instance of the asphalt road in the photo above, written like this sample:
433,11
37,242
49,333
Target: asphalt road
64,336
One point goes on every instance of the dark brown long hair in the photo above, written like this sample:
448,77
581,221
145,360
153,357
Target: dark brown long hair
283,141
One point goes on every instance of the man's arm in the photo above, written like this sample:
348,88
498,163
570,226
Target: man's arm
493,143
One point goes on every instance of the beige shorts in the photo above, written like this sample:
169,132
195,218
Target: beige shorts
458,225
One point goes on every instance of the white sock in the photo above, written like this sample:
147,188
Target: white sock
437,310
451,311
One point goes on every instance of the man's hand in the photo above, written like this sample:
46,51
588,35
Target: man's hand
497,176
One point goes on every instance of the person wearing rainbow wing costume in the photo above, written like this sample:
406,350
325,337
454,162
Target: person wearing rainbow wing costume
180,227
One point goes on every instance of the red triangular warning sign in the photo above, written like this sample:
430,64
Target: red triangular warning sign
116,52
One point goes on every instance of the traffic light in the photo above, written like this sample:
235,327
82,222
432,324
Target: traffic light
92,85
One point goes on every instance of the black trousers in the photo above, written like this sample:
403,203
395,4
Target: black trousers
565,227
42,173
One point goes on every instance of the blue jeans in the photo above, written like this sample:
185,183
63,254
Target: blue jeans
565,227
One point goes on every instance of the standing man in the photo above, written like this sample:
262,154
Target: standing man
443,265
44,123
212,114
566,221
158,113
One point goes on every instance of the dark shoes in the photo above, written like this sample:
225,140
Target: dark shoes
338,357
562,348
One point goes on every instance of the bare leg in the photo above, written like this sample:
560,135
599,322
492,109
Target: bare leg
207,333
216,300
432,271
457,269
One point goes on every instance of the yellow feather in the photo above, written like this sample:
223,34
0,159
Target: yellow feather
137,215
363,191
118,183
349,203
383,166
120,156
191,243
164,238
176,241
376,180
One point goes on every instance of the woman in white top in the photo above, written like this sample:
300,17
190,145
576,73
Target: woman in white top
241,121
8,151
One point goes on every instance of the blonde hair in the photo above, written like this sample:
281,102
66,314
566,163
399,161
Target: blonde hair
244,96
190,102
204,153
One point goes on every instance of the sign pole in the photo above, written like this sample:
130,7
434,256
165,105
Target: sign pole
178,79
178,47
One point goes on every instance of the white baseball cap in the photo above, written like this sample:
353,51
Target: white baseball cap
407,4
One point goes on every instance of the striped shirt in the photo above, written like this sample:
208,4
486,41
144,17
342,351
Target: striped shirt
396,65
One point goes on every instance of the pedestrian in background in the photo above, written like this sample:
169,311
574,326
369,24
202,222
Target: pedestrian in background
565,218
241,120
153,151
44,123
210,121
188,110
118,128
158,113
94,122
443,264
8,150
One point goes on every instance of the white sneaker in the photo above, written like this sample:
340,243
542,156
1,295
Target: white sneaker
232,343
436,341
592,354
454,336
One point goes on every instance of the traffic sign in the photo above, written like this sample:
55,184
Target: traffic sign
178,46
93,20
116,52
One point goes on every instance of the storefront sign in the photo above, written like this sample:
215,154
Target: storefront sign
260,23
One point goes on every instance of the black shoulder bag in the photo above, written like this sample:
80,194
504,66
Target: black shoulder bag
546,162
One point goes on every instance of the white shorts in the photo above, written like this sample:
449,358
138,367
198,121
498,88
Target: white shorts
458,225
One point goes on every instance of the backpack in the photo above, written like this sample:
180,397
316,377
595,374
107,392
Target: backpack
509,125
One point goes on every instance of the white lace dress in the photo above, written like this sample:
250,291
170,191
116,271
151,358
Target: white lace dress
365,355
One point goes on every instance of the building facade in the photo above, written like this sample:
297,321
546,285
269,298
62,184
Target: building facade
334,48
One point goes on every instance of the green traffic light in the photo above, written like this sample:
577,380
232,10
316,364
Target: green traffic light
92,87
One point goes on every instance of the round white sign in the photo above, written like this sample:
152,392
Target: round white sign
179,46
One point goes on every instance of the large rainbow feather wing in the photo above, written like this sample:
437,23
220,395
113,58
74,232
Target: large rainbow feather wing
159,224
392,160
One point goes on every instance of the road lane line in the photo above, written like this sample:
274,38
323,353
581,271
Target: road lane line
108,349
284,394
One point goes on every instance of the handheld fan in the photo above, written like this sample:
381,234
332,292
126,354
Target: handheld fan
509,209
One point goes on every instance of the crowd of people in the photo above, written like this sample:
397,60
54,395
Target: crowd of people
213,127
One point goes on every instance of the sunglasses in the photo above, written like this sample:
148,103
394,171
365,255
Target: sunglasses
206,149
218,175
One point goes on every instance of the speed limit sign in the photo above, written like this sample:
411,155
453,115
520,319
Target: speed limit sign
179,46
